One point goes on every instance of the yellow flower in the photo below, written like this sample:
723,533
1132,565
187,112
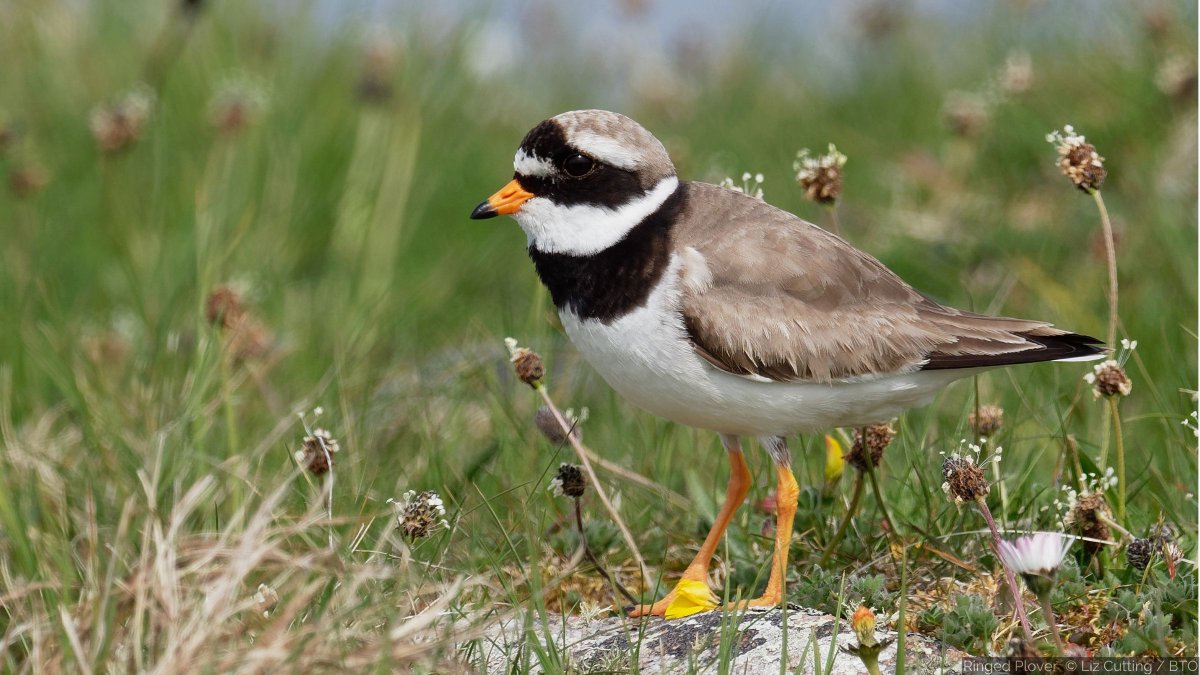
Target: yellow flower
834,464
863,623
691,597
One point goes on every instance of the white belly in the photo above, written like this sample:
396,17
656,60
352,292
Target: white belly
648,359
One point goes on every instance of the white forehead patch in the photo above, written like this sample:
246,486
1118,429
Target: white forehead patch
606,149
530,165
584,229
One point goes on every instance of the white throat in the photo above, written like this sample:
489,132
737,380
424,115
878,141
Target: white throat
583,229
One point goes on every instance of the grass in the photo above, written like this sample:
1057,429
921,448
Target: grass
150,507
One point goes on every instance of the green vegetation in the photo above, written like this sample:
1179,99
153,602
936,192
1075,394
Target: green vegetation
152,513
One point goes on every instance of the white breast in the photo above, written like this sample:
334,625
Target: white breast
646,356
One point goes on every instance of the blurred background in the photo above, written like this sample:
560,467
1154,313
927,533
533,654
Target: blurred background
307,168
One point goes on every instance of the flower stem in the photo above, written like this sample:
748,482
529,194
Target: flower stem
1048,615
1018,603
592,558
1110,254
587,467
845,524
887,517
1119,438
835,224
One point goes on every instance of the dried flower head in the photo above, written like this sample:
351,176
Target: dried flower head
119,124
526,362
27,180
1109,379
1162,533
987,420
547,423
8,133
820,177
316,454
1139,552
380,54
1020,648
245,336
223,308
964,479
1078,159
867,451
568,482
1088,517
420,514
265,599
965,113
1017,76
750,185
1176,77
237,105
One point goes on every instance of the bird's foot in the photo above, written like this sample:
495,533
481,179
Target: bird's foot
766,601
657,609
690,596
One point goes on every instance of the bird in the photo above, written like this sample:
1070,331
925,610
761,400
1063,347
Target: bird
713,309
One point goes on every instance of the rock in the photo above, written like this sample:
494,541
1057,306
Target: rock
698,643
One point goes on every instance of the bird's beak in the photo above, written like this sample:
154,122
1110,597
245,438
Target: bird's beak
505,202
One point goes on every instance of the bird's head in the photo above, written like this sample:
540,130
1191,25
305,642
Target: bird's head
582,180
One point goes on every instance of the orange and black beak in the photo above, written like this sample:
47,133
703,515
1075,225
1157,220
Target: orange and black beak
505,202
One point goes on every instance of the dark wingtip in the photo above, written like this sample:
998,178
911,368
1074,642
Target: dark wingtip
483,211
1064,347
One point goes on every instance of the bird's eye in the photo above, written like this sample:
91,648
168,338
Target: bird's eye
578,166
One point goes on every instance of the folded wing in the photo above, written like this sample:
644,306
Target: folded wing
766,294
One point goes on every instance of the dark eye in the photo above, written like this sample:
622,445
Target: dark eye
578,166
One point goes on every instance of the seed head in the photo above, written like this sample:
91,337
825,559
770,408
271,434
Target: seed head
1162,534
420,515
547,423
27,180
1176,77
119,124
316,454
527,363
820,177
224,308
265,599
1139,552
878,437
1078,159
964,479
965,113
1088,517
1017,76
245,336
568,482
988,420
237,105
379,64
1109,379
1020,648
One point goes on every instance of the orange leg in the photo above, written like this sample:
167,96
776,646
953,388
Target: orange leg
735,494
786,496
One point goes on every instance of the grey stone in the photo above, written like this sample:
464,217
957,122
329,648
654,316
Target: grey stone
697,644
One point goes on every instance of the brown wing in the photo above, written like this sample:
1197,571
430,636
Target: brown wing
768,294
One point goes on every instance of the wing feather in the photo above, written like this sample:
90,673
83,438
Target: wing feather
768,294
